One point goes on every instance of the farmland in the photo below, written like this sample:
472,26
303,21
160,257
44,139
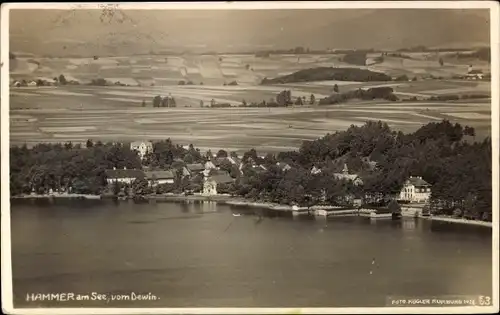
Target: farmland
77,113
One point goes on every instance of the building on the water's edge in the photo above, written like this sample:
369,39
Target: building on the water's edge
211,183
415,189
160,177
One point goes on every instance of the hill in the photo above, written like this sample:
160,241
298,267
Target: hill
329,73
59,32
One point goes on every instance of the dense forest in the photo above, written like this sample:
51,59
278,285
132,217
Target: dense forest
443,153
329,73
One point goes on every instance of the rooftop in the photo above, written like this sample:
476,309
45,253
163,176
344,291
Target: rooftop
138,143
221,179
195,167
417,181
124,173
161,174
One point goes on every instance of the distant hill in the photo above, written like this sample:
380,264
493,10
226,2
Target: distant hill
58,32
329,73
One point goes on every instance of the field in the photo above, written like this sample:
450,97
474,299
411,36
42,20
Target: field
77,113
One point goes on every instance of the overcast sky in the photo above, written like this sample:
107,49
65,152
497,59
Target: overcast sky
40,31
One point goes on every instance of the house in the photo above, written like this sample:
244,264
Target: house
32,83
126,176
185,172
215,172
16,84
315,170
355,179
211,182
160,177
283,166
196,168
473,74
415,189
220,160
210,165
142,147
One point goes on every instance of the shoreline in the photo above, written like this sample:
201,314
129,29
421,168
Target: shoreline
459,221
238,201
63,195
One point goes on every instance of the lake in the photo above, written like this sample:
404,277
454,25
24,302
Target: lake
199,254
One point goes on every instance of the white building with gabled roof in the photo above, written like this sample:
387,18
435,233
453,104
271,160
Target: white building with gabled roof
142,147
415,189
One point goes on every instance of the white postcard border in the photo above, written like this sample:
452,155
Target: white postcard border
6,265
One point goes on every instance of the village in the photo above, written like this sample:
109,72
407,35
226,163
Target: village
369,170
215,180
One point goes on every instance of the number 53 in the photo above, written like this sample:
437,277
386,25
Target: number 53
484,300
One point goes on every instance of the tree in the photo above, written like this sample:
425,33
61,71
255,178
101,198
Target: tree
312,99
201,103
62,80
226,166
117,188
298,101
172,102
252,154
143,103
189,158
208,155
222,153
247,66
157,100
141,187
441,62
89,143
336,88
165,102
244,103
394,207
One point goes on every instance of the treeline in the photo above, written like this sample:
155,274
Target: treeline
386,93
481,54
329,73
67,167
355,58
158,101
422,48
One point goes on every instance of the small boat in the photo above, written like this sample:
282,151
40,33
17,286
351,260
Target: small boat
236,214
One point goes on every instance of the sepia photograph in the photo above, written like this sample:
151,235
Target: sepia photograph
238,157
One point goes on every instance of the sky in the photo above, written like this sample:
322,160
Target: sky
134,31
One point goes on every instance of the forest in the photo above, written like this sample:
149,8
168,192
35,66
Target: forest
446,155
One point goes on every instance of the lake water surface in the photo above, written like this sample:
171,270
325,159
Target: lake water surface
200,255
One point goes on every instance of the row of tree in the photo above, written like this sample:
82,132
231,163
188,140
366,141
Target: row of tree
158,101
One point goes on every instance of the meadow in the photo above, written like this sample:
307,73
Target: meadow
77,113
